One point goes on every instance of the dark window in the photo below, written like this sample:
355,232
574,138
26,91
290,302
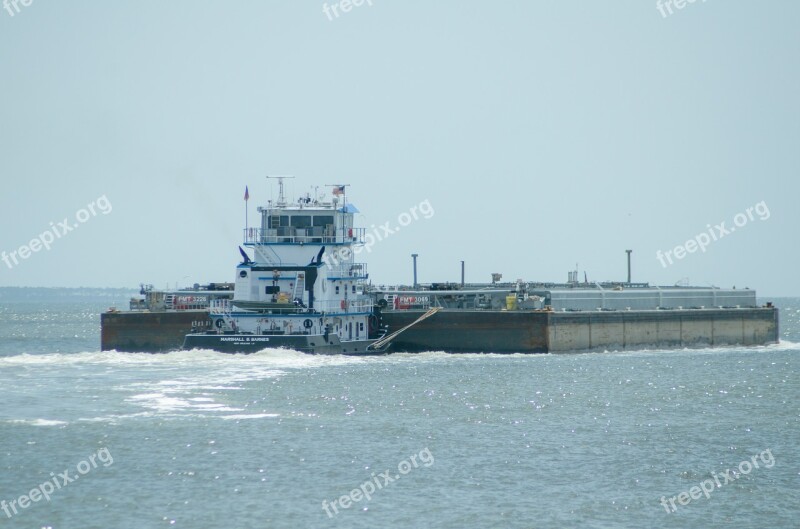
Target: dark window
276,221
323,220
272,290
337,290
301,221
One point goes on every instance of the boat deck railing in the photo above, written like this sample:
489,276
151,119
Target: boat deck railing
303,236
224,307
348,271
220,307
358,304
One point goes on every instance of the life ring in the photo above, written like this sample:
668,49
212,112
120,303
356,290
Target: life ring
343,304
308,324
350,232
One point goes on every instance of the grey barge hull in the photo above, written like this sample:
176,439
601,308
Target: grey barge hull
557,332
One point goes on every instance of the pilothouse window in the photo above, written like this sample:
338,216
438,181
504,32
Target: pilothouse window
277,221
301,221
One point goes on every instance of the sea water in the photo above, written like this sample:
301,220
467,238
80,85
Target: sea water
199,439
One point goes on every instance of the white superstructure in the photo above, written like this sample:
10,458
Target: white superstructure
302,278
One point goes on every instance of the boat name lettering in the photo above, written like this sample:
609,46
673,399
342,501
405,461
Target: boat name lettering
241,339
413,299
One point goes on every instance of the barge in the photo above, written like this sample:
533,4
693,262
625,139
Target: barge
302,289
501,330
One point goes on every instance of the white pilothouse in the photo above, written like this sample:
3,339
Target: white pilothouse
302,289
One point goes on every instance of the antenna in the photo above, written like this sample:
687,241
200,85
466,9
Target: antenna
281,197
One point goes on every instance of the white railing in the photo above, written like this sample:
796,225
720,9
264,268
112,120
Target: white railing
354,270
223,307
349,305
220,307
303,235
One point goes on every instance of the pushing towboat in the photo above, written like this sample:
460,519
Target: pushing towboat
302,289
281,325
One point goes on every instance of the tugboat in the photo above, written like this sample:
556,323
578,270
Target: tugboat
302,289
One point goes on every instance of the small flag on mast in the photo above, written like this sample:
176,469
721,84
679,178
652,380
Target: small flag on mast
246,193
338,190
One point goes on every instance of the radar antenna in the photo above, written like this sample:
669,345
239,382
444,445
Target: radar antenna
281,197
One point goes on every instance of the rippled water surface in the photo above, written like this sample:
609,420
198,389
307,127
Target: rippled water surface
200,439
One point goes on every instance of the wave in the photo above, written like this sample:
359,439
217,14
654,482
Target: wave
37,422
249,416
288,359
684,351
282,358
206,384
115,419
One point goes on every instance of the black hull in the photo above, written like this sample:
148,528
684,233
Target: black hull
252,343
149,332
467,331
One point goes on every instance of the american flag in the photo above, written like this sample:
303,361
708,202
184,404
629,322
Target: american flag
338,190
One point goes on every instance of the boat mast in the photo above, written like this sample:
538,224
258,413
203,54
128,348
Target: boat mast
281,198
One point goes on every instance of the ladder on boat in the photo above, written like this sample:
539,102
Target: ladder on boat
299,287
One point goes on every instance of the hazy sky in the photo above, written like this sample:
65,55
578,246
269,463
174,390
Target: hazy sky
542,133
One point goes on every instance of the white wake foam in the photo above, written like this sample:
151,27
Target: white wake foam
37,422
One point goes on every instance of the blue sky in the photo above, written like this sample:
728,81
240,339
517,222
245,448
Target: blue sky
543,134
